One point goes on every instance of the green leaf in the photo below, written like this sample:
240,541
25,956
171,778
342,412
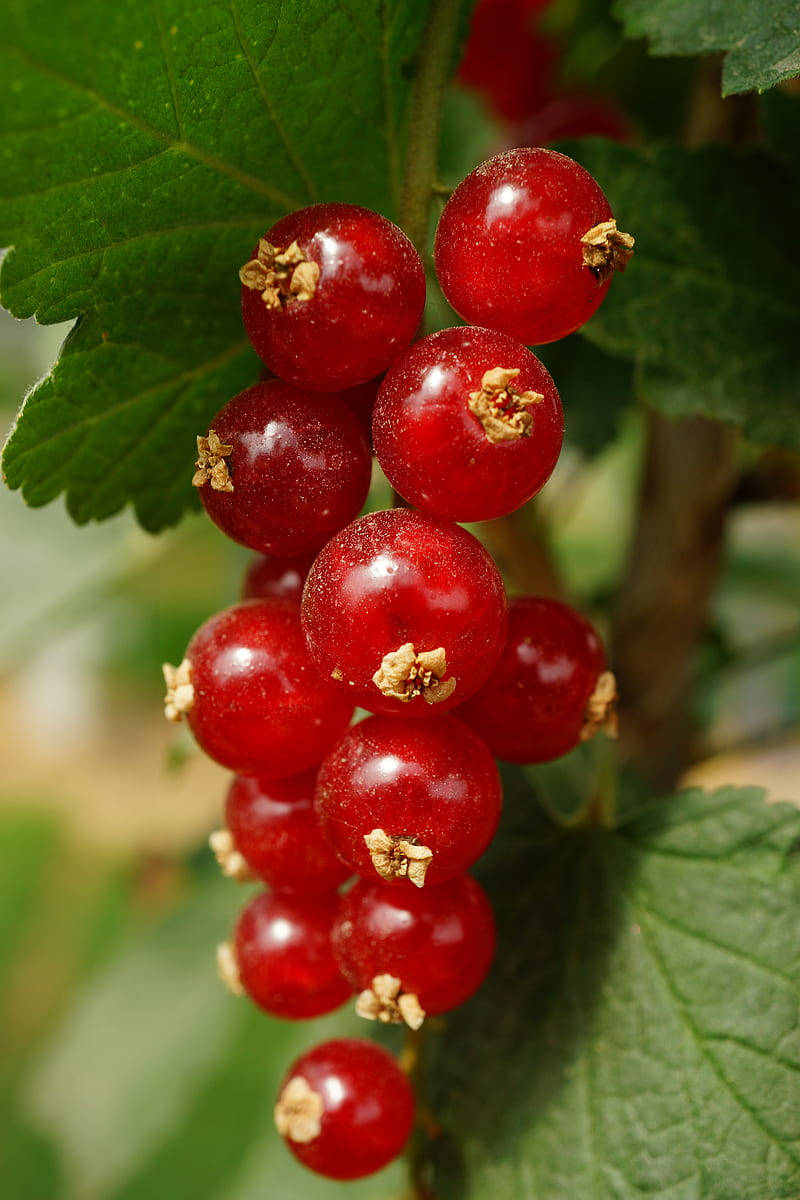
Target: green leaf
595,388
709,307
642,1013
144,149
760,38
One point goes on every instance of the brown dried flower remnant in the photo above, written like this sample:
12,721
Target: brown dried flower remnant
601,708
398,857
606,249
385,1001
232,863
501,410
404,674
228,968
298,1113
211,465
180,692
280,275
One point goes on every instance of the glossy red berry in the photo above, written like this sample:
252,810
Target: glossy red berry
506,59
405,611
275,829
410,802
534,706
279,578
438,942
468,424
282,952
527,244
345,1109
254,700
282,470
331,296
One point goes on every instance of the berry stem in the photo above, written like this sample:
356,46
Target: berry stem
422,151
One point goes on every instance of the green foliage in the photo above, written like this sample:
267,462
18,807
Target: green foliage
760,38
709,307
144,150
642,1014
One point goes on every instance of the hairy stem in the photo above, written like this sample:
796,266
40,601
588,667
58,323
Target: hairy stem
689,474
422,152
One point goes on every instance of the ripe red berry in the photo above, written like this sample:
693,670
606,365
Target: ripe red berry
345,1109
253,698
527,244
468,424
331,296
281,956
281,578
404,609
282,470
506,60
273,826
415,802
576,116
413,953
550,688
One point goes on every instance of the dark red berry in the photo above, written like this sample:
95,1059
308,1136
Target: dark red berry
527,244
282,470
468,424
332,295
576,116
404,611
282,955
345,1109
413,802
275,829
254,700
280,578
540,699
435,945
506,59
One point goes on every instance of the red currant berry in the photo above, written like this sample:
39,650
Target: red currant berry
576,116
414,953
468,424
274,828
253,698
506,60
416,802
281,956
282,470
405,611
345,1109
527,244
550,688
281,578
331,296
362,401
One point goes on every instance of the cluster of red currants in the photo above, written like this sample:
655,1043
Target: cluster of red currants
401,612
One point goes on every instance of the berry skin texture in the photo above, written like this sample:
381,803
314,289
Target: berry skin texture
253,699
508,249
431,787
280,578
346,304
406,612
458,434
279,835
533,706
438,941
351,1109
283,954
298,469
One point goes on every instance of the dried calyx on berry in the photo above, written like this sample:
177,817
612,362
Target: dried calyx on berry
404,674
211,466
299,1110
398,857
385,1001
228,968
501,410
606,249
282,276
180,692
232,864
601,708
